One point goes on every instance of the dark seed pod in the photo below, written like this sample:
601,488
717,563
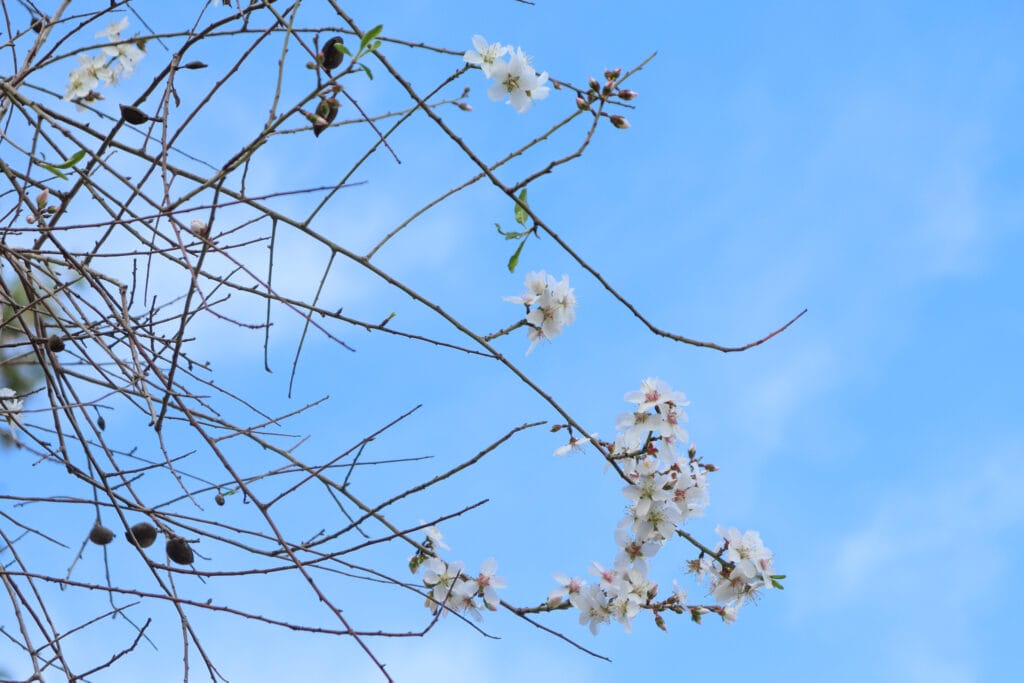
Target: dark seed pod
179,551
101,535
326,111
55,343
332,54
141,535
219,499
133,115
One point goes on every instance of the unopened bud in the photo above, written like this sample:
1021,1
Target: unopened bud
608,88
594,85
628,95
43,198
619,122
464,107
199,228
613,74
581,103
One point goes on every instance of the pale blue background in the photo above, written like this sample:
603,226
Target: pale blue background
862,160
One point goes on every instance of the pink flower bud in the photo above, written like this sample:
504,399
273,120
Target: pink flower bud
619,122
628,95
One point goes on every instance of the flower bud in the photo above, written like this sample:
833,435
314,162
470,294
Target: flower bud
581,103
199,228
619,122
464,107
613,74
43,198
594,85
628,95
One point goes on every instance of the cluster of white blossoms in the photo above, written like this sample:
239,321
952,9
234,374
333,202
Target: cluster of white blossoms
450,588
749,567
114,61
550,306
10,408
665,489
514,78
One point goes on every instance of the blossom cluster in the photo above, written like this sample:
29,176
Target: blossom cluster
449,586
665,488
10,408
113,62
553,302
747,567
514,78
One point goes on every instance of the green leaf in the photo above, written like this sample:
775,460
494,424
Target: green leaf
55,168
370,35
54,171
521,215
510,235
75,158
367,70
514,261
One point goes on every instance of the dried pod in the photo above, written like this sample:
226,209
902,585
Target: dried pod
133,115
219,499
179,551
332,54
325,113
55,343
101,535
141,535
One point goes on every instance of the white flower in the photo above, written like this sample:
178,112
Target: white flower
485,56
90,72
569,588
486,583
555,306
10,407
127,54
517,80
440,577
593,607
574,445
435,536
654,392
113,32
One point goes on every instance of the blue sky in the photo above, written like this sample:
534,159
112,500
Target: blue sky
862,161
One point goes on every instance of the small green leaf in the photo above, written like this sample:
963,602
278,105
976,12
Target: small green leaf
55,168
514,261
370,35
367,70
54,171
521,215
75,158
